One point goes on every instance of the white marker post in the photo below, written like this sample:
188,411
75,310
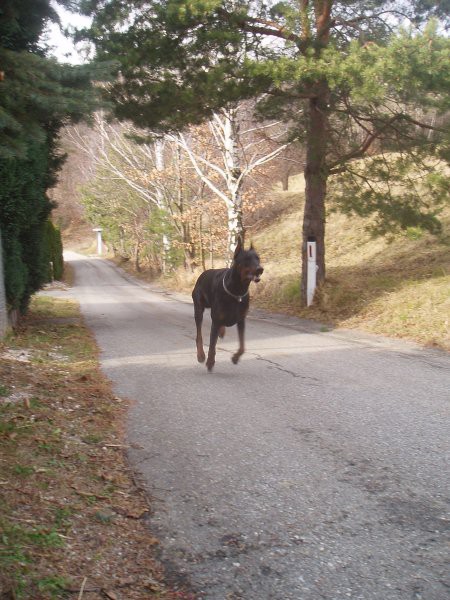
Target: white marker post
311,274
98,231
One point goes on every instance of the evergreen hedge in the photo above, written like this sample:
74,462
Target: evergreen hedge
30,241
38,96
53,251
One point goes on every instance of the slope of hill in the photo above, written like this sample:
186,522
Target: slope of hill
398,286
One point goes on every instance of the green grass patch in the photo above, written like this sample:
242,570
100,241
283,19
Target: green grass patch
23,470
7,428
53,586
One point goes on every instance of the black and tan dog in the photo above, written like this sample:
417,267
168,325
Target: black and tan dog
225,292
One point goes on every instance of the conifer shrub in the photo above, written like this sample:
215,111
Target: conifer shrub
24,211
53,252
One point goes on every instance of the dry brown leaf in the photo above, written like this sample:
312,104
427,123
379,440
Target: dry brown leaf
137,514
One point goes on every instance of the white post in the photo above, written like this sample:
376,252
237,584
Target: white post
98,231
311,275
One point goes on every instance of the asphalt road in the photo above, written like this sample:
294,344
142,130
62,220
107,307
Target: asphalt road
316,468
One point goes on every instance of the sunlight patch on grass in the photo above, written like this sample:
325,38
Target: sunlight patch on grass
418,310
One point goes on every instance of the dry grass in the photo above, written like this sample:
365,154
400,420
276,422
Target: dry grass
398,286
72,519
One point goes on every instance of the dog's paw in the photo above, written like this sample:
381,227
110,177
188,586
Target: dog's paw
209,366
201,357
235,358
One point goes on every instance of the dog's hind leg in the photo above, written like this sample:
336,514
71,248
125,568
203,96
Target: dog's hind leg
212,347
241,330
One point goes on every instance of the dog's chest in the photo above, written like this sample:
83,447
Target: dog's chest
228,311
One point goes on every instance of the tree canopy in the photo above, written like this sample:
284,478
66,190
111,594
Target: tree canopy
180,60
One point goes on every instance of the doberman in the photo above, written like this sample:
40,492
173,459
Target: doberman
225,292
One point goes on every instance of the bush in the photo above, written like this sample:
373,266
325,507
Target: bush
24,211
53,251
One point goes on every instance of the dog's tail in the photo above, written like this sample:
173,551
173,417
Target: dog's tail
222,331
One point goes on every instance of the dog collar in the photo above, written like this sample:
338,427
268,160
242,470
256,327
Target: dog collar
238,298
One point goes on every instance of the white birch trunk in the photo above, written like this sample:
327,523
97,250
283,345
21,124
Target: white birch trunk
159,164
224,127
233,172
235,229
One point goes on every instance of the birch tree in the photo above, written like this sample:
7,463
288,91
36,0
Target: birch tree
238,152
112,151
153,172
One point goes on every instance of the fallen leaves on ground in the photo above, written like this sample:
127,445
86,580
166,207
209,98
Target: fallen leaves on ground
72,517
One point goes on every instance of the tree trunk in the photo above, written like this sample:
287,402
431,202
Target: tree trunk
202,246
137,257
235,228
315,189
122,241
285,181
211,249
189,249
234,179
159,164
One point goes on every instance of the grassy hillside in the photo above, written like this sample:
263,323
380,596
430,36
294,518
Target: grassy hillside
398,286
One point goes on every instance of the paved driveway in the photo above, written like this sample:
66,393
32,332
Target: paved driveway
316,468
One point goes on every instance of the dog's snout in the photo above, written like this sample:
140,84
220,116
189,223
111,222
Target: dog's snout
258,273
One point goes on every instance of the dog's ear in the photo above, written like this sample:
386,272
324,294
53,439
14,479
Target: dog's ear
238,246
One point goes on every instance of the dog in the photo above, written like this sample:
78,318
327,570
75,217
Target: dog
225,292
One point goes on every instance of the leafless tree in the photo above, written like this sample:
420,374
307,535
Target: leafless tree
237,151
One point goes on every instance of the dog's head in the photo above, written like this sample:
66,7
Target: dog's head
246,262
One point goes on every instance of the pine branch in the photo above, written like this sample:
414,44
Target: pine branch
362,149
262,27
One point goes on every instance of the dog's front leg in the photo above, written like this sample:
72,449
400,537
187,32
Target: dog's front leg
199,339
212,346
241,330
